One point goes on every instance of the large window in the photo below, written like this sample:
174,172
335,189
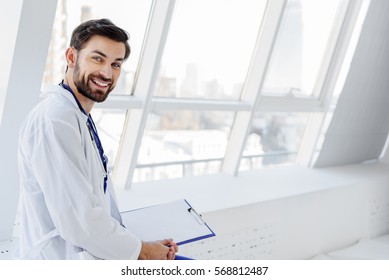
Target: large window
181,143
214,85
209,47
109,123
274,139
300,46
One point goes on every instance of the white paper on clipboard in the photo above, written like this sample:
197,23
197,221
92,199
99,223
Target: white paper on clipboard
177,220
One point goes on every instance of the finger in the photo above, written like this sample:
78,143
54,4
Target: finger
172,249
171,255
166,241
173,245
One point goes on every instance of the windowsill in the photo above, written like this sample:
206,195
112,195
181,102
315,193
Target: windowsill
221,191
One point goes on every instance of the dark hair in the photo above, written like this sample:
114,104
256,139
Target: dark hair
103,27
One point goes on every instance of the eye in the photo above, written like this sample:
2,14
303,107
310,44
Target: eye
116,65
97,58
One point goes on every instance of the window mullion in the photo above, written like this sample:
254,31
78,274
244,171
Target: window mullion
160,104
289,104
145,83
334,57
116,101
328,79
254,81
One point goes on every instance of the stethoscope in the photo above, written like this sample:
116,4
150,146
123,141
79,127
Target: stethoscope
93,134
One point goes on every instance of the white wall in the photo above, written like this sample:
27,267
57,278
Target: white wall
360,123
21,91
298,227
9,22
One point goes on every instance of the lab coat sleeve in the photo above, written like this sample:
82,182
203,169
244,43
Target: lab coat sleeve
60,167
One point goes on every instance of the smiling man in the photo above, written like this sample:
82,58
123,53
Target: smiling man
67,203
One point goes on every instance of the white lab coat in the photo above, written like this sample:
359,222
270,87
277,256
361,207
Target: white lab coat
64,211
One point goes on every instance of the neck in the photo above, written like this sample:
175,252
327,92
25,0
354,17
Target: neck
85,102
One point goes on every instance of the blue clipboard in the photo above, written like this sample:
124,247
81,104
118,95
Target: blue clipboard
177,220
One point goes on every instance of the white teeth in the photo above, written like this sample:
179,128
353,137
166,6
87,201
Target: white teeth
100,83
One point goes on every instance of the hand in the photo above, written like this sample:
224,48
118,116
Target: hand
158,250
173,248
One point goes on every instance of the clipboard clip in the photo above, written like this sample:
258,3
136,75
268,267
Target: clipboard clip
196,215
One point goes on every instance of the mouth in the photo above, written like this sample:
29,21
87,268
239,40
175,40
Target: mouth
100,83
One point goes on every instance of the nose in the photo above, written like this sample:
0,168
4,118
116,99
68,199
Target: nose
106,71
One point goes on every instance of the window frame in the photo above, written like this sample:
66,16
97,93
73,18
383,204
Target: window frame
142,102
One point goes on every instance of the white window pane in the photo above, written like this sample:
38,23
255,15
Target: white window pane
209,47
131,15
274,139
109,124
299,48
181,143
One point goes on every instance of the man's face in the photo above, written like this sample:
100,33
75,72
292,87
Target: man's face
97,67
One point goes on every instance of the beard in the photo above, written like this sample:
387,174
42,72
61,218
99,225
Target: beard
84,88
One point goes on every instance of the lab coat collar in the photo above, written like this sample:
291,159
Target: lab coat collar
64,93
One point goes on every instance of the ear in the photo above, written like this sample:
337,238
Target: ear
71,55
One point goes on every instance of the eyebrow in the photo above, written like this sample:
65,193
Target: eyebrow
105,56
